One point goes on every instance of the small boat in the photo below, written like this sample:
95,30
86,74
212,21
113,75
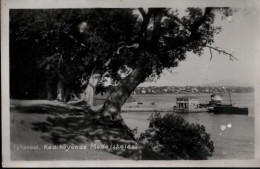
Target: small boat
215,106
139,102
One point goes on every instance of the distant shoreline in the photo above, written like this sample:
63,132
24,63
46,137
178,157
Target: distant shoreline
191,89
189,93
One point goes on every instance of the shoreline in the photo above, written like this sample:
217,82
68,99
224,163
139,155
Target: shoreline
124,110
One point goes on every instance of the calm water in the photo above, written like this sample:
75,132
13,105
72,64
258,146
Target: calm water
233,135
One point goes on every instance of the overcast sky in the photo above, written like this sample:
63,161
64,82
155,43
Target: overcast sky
239,35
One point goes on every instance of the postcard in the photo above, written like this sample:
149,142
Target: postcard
140,83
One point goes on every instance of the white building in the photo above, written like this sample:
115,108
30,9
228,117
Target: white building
187,102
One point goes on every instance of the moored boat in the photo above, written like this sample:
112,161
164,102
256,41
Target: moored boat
229,110
215,106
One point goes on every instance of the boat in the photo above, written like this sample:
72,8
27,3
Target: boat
229,110
198,110
215,106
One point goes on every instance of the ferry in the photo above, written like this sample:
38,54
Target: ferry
215,106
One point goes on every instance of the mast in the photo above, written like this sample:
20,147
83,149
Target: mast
230,97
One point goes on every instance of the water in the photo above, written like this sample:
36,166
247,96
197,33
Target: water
233,135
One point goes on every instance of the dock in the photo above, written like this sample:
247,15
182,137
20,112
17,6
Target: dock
164,110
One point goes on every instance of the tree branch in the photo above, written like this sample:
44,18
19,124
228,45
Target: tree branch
107,62
141,10
146,19
178,21
156,34
194,27
211,56
135,45
231,57
73,38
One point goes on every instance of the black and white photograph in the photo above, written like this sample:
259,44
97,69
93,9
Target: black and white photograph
130,83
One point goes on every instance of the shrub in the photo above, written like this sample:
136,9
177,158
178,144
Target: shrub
174,138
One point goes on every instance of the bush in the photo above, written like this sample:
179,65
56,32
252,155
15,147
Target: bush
174,138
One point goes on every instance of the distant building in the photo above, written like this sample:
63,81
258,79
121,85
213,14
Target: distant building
194,90
176,91
165,90
187,102
143,91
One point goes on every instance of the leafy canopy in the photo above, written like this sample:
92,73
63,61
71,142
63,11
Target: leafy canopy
70,43
174,138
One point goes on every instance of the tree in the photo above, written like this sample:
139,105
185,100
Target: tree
71,48
174,138
163,40
34,37
51,42
113,30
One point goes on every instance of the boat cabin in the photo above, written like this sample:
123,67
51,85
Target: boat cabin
187,102
215,100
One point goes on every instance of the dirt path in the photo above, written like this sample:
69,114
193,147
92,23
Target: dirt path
49,130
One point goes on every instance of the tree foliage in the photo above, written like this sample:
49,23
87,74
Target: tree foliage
68,44
175,138
163,39
49,44
168,37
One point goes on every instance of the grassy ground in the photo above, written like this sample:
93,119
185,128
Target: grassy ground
41,124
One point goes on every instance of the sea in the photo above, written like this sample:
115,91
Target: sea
233,135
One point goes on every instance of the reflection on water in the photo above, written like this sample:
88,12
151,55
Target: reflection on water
233,135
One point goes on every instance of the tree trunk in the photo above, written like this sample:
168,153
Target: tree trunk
115,101
91,88
67,95
60,91
87,97
49,90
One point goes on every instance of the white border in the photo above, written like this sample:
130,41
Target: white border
7,4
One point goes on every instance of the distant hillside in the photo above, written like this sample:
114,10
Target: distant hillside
230,83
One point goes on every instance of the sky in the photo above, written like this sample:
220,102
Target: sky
239,36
